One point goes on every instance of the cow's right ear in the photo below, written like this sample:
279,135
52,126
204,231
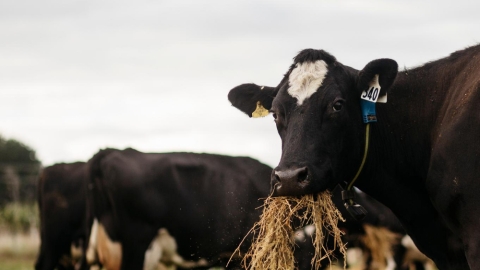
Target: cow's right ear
252,99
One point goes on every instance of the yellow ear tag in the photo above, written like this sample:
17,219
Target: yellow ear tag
260,111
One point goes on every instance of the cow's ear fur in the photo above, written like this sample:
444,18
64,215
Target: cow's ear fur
386,69
252,99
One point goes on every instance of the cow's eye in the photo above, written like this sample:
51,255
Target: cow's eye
337,106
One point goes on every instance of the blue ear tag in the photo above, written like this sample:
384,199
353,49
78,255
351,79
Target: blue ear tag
368,111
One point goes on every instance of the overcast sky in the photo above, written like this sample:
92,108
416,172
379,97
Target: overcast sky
77,76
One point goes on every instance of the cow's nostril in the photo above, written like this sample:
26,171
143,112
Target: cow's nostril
302,174
277,177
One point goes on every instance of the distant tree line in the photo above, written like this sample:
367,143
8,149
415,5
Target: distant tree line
19,169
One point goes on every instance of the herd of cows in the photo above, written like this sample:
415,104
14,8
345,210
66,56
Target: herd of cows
124,209
417,154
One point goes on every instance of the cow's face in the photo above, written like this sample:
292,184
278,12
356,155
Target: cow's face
317,112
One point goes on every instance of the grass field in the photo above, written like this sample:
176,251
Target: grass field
16,262
18,252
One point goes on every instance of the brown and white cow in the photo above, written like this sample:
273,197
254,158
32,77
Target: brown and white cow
423,159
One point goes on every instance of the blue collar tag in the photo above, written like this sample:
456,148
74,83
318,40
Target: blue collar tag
369,114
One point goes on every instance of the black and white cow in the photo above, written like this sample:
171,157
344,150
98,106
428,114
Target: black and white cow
207,203
62,204
423,160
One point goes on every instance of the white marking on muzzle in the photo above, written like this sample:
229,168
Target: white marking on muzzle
305,79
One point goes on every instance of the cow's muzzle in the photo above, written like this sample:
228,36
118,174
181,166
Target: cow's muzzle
290,182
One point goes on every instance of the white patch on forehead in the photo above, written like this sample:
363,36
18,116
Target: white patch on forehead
305,79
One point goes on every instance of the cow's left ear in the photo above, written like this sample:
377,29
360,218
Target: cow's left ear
252,99
386,69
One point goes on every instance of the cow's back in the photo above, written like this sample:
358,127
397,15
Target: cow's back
458,80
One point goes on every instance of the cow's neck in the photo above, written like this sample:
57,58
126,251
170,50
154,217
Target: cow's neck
420,104
401,140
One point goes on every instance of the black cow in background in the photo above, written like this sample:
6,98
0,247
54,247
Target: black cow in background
207,202
62,204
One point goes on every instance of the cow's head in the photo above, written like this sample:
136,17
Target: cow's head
317,111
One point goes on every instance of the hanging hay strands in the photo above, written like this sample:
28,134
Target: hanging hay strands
273,241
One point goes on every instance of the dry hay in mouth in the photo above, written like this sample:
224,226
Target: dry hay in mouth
273,241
